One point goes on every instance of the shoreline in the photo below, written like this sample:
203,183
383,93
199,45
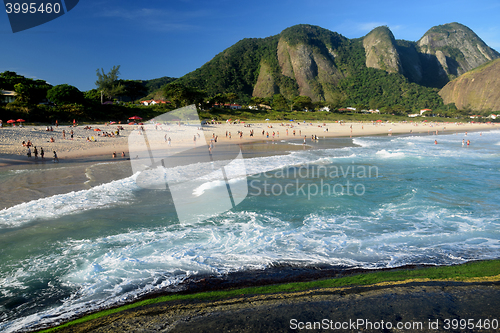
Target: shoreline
205,307
81,154
12,153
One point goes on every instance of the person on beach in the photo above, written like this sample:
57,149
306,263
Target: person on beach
194,139
468,143
29,152
42,153
123,154
35,152
169,141
64,134
114,154
56,159
52,140
463,142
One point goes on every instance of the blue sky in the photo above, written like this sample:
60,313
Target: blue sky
151,39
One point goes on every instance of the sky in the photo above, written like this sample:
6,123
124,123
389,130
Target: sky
155,38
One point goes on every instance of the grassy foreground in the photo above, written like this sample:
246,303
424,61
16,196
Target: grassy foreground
477,271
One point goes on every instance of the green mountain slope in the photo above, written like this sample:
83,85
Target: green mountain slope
375,70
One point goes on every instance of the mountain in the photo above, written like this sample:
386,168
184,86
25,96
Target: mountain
376,69
477,89
381,50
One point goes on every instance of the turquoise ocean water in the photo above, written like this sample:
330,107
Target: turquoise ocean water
384,202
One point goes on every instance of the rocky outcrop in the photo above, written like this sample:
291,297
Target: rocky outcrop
381,50
314,72
457,48
478,89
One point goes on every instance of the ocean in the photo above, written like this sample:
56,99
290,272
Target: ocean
367,202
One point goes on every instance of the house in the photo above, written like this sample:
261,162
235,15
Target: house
325,108
425,110
7,96
413,115
153,102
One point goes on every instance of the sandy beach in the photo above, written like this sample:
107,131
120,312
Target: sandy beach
92,142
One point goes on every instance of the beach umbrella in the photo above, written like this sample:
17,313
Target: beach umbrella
11,121
135,117
96,130
379,121
112,122
131,123
20,121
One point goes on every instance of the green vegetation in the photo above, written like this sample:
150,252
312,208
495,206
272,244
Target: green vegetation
65,94
337,77
108,84
474,271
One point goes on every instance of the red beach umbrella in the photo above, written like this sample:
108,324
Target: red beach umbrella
20,121
135,118
97,130
11,121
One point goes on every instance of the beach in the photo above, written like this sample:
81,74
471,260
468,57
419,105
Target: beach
82,153
100,240
91,142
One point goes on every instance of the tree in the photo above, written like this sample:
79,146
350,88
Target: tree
108,84
92,95
303,102
231,97
182,95
65,94
279,102
133,89
23,93
220,99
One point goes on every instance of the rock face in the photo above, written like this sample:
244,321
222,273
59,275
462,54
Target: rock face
478,89
457,48
381,50
313,71
311,61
